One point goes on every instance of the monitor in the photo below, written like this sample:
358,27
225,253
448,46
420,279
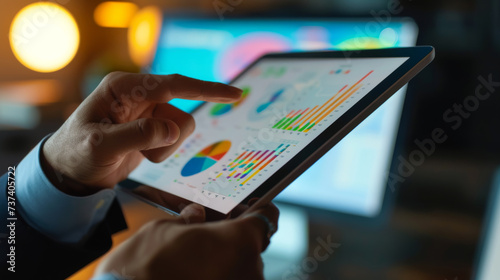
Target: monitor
487,267
352,177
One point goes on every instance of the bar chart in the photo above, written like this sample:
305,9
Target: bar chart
250,163
303,120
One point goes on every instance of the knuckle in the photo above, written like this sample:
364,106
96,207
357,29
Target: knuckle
191,235
155,157
147,128
186,122
191,124
112,82
91,140
175,76
151,226
111,78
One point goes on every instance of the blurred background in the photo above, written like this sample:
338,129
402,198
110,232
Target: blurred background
433,224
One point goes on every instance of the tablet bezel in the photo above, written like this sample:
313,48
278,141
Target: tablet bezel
418,58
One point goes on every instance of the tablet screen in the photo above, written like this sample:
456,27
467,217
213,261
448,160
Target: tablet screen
286,104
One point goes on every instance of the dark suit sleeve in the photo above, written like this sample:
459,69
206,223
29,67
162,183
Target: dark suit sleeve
38,257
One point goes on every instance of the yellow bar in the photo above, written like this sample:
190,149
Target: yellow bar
258,170
232,173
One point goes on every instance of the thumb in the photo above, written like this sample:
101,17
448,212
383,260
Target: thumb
140,135
192,214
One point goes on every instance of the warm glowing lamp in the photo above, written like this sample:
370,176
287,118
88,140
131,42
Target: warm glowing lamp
44,37
114,14
143,35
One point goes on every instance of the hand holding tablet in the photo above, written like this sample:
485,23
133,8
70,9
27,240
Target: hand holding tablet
294,108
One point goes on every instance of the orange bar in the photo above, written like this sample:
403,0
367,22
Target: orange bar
338,104
324,104
300,118
349,90
236,159
247,160
258,161
290,119
364,78
331,98
341,101
241,162
292,116
312,112
251,159
329,106
258,170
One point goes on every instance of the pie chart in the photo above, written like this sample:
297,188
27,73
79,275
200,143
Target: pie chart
221,109
206,158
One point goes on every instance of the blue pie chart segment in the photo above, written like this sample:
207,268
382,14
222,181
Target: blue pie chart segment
197,165
206,158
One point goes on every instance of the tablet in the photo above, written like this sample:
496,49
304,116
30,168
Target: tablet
294,108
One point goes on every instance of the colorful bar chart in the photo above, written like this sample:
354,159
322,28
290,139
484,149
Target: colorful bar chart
249,163
304,119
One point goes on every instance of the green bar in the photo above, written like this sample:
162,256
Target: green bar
248,168
294,119
283,123
304,127
297,127
237,164
311,126
278,123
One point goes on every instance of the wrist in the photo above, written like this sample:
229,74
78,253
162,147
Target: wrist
61,181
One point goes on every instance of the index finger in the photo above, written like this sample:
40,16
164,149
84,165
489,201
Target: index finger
163,88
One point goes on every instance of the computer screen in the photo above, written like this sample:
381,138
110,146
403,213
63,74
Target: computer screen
351,178
489,253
